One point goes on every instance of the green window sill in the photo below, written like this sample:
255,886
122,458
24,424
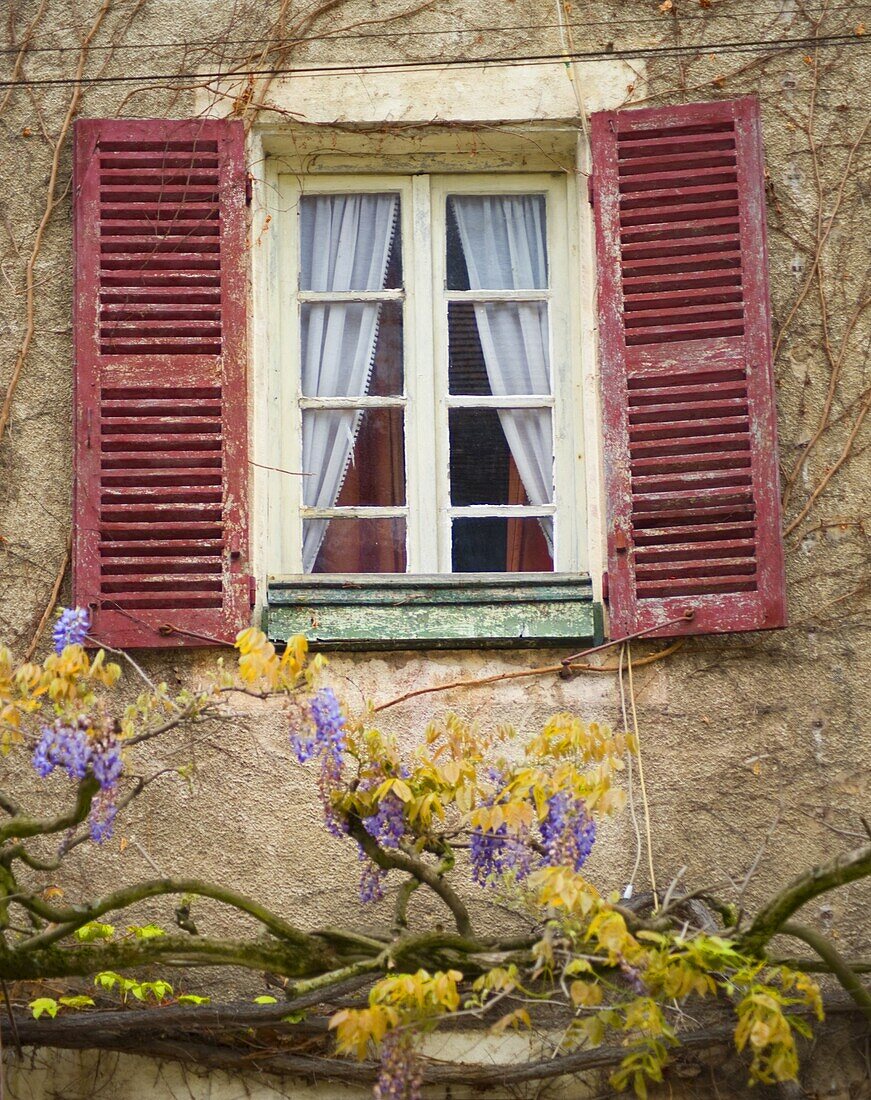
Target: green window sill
467,611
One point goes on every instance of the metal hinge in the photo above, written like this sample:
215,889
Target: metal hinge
591,190
249,189
605,587
252,590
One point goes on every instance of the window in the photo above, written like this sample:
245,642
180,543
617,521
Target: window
416,402
426,371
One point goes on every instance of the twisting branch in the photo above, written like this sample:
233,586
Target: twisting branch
22,826
68,919
818,880
831,957
290,960
401,861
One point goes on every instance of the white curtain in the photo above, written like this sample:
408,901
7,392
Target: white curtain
345,247
505,247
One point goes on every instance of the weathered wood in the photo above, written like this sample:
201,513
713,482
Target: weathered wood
435,612
687,385
161,398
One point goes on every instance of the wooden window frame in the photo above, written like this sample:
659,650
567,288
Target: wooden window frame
423,201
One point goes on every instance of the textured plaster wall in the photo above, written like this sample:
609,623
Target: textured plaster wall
746,739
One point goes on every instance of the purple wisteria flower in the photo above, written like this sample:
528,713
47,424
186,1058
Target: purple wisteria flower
497,852
568,831
106,762
372,879
325,740
63,746
71,628
400,1077
102,819
387,826
328,737
74,747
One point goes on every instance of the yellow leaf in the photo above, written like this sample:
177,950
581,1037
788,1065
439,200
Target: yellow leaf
587,994
402,790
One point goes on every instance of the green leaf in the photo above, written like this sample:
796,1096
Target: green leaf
94,930
158,989
44,1005
265,999
145,931
108,979
192,999
294,1017
75,1002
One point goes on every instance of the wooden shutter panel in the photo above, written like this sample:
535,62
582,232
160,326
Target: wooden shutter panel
688,395
160,498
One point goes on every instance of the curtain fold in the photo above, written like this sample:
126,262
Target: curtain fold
345,247
504,244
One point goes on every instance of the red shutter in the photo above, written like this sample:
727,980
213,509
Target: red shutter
160,497
688,394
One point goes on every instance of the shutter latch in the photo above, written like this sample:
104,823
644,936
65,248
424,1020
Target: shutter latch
621,543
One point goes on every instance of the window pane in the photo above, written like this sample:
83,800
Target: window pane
498,347
351,349
496,242
501,457
356,545
498,545
350,242
353,458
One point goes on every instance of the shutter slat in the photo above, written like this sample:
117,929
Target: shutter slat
161,479
690,447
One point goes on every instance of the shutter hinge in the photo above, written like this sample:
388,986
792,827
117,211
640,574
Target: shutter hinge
249,188
591,190
252,589
605,586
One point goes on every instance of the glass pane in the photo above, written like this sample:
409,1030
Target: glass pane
499,545
496,242
353,458
498,347
356,545
351,349
350,242
501,457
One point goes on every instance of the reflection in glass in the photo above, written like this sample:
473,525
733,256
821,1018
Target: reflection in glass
499,348
370,445
486,469
358,545
499,545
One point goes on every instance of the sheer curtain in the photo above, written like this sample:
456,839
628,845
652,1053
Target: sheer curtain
345,247
505,248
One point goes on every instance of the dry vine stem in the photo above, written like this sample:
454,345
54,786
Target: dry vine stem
543,670
51,205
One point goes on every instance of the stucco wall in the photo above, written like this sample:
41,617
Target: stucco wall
746,739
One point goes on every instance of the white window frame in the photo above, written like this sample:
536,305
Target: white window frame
278,427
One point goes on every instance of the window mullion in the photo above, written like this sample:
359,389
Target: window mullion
420,434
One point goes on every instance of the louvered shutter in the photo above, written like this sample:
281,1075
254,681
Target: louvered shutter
686,373
160,547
